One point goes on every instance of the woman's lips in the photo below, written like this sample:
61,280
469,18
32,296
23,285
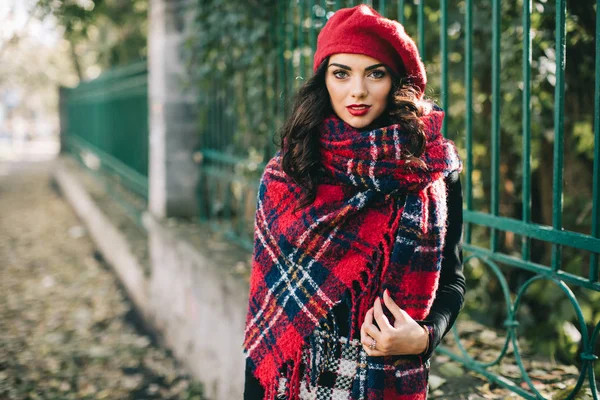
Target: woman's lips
358,110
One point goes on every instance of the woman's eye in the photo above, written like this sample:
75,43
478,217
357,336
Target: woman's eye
340,74
378,74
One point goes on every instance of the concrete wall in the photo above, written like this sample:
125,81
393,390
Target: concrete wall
200,304
195,295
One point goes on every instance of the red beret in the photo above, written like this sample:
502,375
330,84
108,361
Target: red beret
361,30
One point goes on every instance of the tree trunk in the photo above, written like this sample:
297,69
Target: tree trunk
76,63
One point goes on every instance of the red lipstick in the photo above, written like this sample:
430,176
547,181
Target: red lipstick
358,109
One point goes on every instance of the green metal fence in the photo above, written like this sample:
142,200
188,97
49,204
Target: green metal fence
107,124
510,229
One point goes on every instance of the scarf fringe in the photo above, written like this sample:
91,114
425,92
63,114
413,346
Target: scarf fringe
320,349
294,379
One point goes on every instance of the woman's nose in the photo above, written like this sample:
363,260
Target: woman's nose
358,89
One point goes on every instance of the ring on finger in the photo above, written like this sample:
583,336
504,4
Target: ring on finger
373,344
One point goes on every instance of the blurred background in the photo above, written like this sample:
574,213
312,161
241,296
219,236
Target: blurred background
164,114
51,44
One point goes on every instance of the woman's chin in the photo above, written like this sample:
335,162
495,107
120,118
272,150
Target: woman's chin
358,122
364,121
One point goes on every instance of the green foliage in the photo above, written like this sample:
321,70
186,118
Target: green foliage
229,54
105,33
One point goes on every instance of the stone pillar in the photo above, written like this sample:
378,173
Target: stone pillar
172,116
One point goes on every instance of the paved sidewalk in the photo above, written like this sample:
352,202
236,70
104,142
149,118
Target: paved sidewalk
66,327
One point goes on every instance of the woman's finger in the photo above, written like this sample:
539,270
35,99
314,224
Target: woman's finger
373,352
363,334
382,320
398,313
369,318
369,329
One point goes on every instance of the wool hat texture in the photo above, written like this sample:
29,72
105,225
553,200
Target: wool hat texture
362,30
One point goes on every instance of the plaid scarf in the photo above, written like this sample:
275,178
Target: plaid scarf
377,223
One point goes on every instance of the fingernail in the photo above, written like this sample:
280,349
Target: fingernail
387,292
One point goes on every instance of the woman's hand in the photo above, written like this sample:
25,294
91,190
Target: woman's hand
405,337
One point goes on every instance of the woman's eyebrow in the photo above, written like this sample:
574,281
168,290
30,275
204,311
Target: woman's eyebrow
340,66
349,69
374,66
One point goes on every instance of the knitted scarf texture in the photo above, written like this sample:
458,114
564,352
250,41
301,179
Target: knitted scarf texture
378,222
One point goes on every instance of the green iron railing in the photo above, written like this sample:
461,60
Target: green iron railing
107,119
477,87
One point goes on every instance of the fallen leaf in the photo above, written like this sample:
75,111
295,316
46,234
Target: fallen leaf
435,382
451,370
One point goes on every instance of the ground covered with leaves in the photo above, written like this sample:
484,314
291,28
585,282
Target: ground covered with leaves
450,380
67,330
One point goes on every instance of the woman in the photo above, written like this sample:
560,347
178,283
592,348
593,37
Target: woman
357,263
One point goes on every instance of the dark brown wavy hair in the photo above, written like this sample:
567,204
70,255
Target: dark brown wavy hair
300,132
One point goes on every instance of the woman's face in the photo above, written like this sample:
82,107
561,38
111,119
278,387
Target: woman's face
358,87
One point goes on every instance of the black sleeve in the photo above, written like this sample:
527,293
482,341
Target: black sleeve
253,390
451,290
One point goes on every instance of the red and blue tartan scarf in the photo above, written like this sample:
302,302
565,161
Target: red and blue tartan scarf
377,223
